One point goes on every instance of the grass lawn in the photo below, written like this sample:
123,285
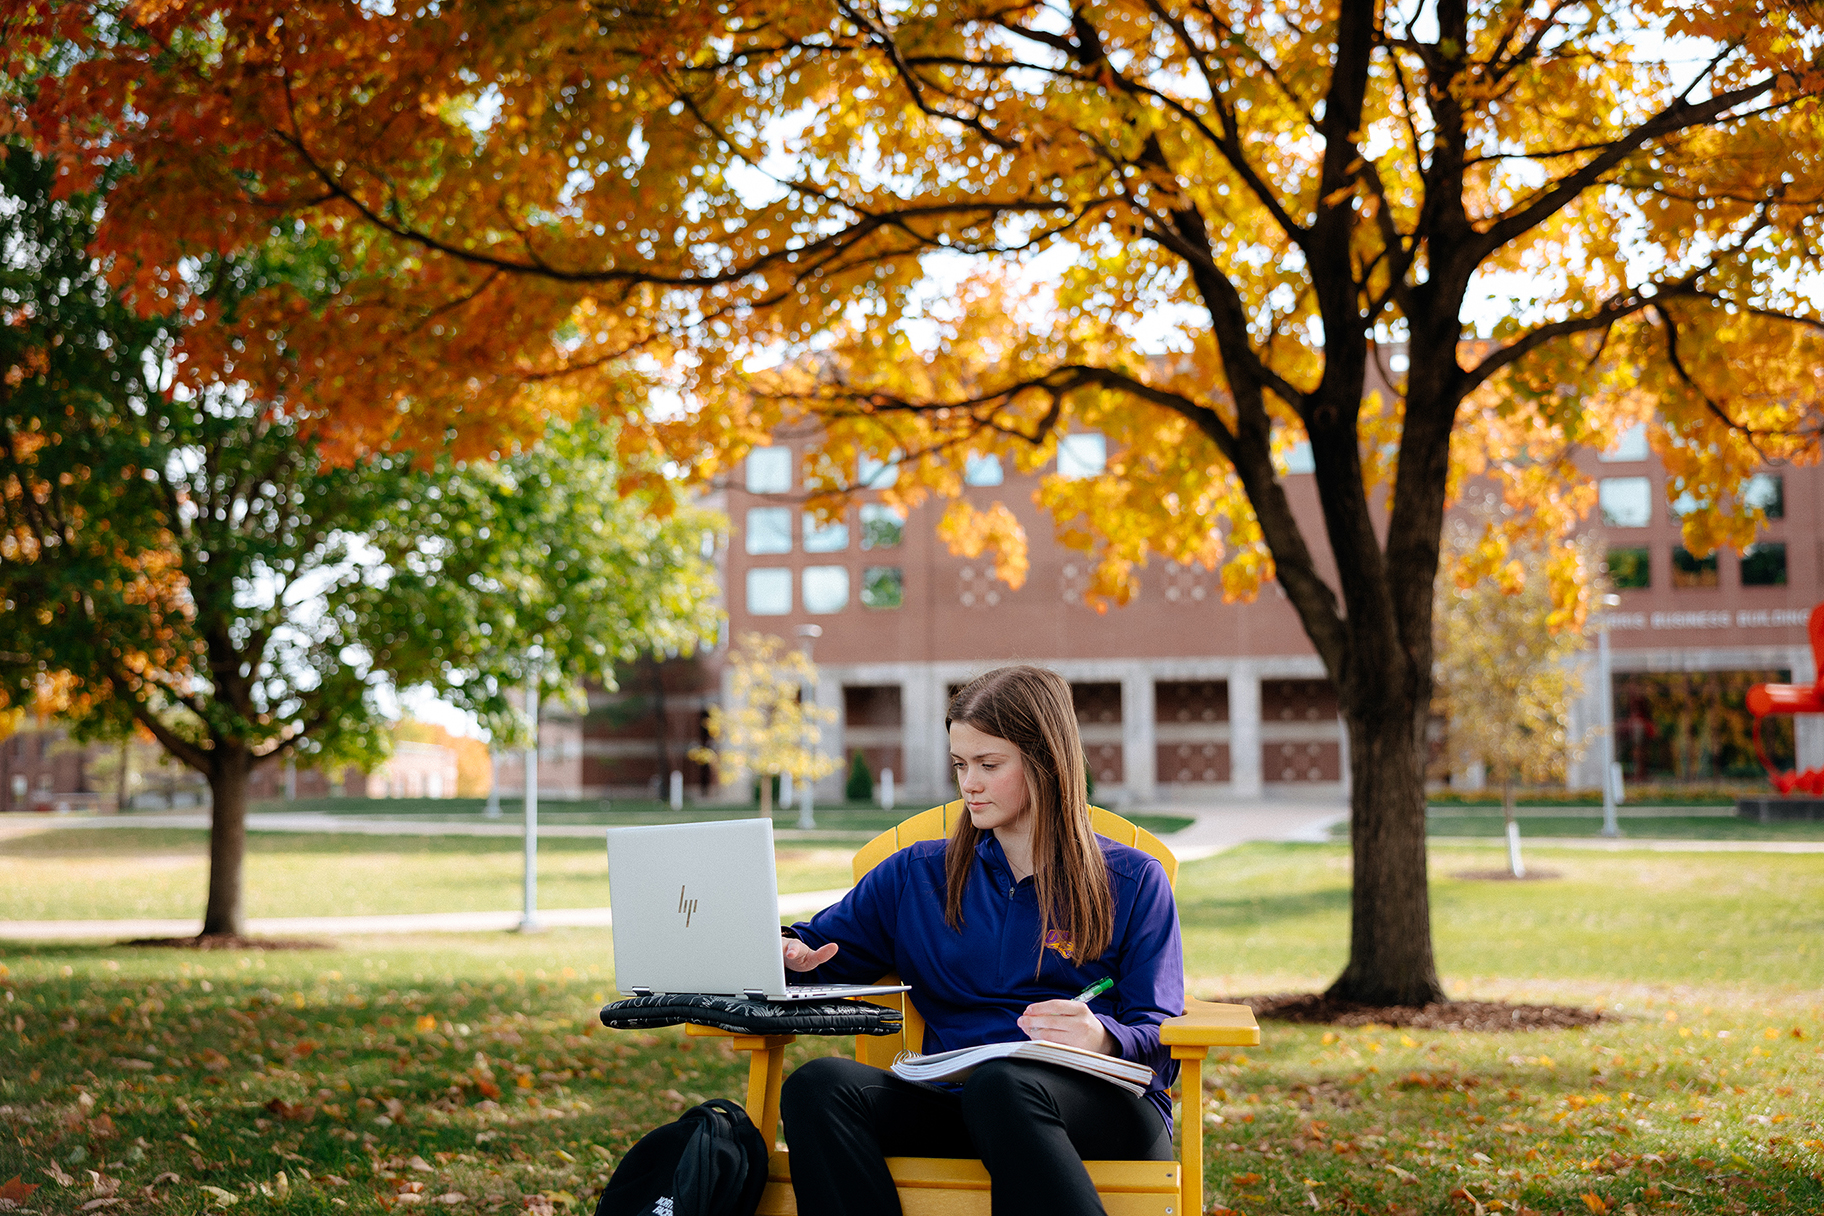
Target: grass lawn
1653,825
101,874
467,1073
1645,827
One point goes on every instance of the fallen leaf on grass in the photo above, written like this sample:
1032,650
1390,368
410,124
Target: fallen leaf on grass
538,1205
1463,1193
1402,1175
452,1198
1596,1203
419,1164
1245,1179
220,1198
92,1204
300,1113
57,1174
17,1191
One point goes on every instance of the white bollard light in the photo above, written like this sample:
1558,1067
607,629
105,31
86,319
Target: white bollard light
677,790
886,789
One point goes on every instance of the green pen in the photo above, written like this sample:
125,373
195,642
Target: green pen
1095,990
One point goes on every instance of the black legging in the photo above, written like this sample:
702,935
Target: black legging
1032,1125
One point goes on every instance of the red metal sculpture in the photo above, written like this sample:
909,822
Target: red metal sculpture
1764,699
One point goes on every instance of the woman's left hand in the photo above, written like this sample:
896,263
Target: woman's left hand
1067,1022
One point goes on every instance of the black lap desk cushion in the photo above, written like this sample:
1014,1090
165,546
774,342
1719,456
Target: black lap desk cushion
742,1016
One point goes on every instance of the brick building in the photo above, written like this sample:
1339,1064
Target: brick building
1184,698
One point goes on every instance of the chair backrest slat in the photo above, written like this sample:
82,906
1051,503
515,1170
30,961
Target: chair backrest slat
935,824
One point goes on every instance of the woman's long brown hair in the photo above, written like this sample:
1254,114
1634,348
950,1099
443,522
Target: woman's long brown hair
1031,709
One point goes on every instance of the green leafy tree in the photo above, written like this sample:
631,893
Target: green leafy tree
186,563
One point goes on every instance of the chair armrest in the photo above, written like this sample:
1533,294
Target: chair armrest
1209,1024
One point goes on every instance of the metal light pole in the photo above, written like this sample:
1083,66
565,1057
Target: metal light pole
807,818
1611,825
528,922
491,810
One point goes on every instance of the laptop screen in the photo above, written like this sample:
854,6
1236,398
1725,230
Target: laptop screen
695,907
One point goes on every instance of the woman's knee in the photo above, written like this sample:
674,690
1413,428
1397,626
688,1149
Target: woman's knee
1002,1087
819,1088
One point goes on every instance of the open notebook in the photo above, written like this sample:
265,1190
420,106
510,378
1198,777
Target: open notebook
955,1065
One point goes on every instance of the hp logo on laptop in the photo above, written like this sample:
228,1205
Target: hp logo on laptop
686,906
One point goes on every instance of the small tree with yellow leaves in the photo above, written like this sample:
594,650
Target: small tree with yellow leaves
1506,653
770,729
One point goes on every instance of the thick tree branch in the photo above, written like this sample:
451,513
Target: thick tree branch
1673,118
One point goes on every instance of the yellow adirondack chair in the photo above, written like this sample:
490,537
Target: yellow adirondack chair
931,1186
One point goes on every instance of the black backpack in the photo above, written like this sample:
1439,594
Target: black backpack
711,1162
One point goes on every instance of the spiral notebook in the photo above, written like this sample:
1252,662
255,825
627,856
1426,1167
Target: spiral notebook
955,1065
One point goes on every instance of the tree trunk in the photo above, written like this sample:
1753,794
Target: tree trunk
766,795
1515,866
659,723
126,773
228,779
1390,957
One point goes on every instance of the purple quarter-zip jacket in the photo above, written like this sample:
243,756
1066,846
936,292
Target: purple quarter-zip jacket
972,983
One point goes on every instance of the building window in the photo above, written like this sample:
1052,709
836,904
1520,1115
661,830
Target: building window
1764,565
1627,502
1299,458
769,471
826,589
824,538
1631,444
883,587
1630,569
769,592
1689,570
1082,455
875,474
769,530
882,527
982,470
1687,503
1766,491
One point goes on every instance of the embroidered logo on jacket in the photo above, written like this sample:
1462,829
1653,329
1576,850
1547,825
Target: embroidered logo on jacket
1057,939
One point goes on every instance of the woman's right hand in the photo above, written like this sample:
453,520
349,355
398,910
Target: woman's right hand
800,957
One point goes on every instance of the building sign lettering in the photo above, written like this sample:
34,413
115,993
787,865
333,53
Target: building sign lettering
1718,618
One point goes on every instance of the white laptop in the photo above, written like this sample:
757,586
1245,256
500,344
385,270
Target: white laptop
696,909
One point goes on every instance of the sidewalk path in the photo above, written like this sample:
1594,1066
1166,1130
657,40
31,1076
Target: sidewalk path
1221,828
318,821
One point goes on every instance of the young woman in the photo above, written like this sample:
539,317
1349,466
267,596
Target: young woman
996,929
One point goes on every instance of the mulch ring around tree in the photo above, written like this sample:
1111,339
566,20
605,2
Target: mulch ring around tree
1531,875
1311,1007
229,941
